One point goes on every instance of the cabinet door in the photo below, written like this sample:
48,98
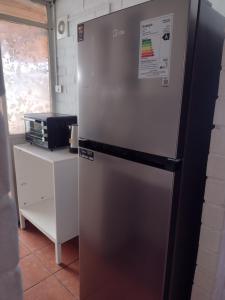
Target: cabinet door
34,178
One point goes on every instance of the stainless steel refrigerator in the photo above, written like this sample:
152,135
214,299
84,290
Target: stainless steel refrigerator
148,81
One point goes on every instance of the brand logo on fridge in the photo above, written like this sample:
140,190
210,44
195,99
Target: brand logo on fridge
118,32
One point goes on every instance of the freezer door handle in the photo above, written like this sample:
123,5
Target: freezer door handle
164,163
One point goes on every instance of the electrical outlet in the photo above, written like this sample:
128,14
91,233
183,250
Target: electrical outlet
58,89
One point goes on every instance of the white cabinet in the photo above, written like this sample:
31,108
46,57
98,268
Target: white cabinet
47,187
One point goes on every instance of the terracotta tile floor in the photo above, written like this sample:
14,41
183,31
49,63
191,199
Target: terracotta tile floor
43,279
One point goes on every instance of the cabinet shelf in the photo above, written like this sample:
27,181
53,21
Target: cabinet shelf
42,215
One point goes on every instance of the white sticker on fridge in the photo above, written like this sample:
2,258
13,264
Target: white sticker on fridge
155,47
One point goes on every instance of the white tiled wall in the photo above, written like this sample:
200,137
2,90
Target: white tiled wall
209,282
77,11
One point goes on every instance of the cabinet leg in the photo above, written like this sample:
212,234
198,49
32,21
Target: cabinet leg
58,253
22,222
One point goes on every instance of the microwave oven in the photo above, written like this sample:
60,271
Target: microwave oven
48,130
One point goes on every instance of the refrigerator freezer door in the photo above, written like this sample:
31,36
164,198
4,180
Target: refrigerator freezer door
125,210
116,106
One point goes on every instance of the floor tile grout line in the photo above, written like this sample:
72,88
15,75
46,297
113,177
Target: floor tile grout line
23,244
60,282
49,272
40,261
52,275
22,258
67,266
46,278
61,267
21,241
36,283
26,245
37,232
43,265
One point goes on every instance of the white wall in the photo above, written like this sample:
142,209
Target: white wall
77,11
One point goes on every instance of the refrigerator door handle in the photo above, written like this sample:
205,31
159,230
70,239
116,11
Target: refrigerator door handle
160,162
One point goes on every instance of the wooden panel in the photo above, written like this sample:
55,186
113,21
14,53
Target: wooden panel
25,9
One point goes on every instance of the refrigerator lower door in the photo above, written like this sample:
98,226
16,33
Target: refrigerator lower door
125,210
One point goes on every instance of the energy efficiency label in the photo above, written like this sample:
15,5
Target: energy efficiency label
155,47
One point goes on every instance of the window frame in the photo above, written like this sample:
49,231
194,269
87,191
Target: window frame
49,28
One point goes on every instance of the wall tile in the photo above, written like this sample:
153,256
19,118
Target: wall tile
210,240
217,145
115,5
213,216
93,3
205,279
199,294
128,3
207,260
219,116
216,166
68,7
102,10
215,191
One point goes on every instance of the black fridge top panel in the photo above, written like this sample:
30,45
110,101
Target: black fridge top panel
164,163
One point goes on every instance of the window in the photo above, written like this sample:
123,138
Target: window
25,54
25,9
